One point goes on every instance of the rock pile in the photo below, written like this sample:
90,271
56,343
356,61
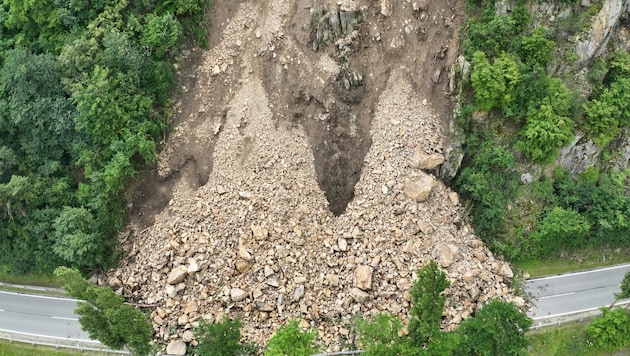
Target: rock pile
258,242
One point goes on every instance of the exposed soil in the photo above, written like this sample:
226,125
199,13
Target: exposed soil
285,167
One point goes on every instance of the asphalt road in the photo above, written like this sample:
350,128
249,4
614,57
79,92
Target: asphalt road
575,293
40,317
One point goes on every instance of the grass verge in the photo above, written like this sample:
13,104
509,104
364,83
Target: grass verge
21,349
581,260
42,280
567,339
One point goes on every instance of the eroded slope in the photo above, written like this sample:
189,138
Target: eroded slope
266,131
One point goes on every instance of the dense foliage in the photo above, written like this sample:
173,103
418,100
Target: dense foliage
84,89
291,340
611,331
105,315
516,117
222,338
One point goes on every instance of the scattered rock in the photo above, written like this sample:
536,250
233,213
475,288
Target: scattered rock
237,294
192,266
505,270
422,160
298,293
243,266
343,244
420,189
363,277
435,78
188,336
170,291
191,307
454,198
177,275
176,347
386,8
358,295
446,254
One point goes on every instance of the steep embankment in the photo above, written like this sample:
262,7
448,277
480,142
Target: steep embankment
266,130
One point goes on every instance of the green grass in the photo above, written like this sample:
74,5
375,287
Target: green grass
585,259
568,339
43,280
20,349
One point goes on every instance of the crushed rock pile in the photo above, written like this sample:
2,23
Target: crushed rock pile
257,240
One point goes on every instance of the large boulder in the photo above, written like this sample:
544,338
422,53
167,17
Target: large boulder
363,277
176,347
423,160
420,189
177,275
446,254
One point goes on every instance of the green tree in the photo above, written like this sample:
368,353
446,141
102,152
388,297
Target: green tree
290,340
561,230
494,84
78,239
611,331
498,328
548,125
161,34
537,49
427,301
105,315
221,339
381,336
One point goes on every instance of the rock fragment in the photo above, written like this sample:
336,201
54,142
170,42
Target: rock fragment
177,275
420,189
363,277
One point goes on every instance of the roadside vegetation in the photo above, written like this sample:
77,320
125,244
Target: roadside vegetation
516,116
523,101
8,348
84,98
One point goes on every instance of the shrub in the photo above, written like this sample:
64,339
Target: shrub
498,328
611,331
290,340
548,126
221,339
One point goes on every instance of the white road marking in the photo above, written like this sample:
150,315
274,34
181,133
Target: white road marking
62,318
556,295
576,311
579,273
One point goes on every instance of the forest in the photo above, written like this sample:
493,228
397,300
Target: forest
526,99
84,101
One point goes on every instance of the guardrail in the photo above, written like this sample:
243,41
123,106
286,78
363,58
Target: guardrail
62,345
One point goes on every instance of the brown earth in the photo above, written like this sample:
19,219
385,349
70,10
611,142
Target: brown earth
282,187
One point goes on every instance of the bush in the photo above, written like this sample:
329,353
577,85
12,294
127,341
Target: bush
560,230
221,339
494,84
290,340
498,328
611,331
548,126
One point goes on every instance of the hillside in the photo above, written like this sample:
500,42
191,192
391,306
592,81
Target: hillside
292,180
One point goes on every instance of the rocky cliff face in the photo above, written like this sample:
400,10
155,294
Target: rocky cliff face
265,128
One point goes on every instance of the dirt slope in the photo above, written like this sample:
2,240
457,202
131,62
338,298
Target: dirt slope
280,190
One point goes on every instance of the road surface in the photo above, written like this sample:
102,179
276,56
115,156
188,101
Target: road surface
574,293
40,317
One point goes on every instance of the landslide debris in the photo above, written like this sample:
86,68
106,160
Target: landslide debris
290,183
